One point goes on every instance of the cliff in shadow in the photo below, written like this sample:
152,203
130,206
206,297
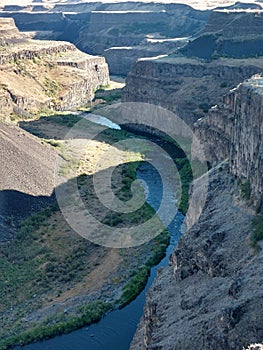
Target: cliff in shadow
231,32
211,293
187,87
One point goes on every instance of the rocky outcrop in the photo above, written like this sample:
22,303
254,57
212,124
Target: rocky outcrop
211,294
9,31
246,153
230,32
47,74
187,87
234,131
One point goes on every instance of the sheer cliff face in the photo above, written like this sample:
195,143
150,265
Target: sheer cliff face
210,297
37,74
187,87
246,154
234,131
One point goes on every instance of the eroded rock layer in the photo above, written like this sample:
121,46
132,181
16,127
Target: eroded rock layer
210,297
187,87
234,130
37,74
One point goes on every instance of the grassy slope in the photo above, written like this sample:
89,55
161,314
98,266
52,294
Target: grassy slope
48,263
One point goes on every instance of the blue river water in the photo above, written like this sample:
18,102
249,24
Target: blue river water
117,328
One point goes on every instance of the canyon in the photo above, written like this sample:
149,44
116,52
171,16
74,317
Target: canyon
211,76
212,290
206,296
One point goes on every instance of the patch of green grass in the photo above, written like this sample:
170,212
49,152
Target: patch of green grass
186,177
257,235
51,87
111,97
139,278
68,120
134,286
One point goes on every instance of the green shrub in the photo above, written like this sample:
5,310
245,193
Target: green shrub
139,278
54,143
51,87
88,314
246,190
224,84
134,286
186,177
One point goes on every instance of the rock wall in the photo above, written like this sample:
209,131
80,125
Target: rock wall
246,153
121,59
188,87
39,74
230,32
211,294
234,131
128,25
210,297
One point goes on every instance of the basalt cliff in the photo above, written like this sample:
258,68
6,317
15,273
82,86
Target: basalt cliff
187,87
37,74
210,296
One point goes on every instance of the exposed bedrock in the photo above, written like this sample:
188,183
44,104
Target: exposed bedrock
36,74
210,297
234,130
233,33
187,87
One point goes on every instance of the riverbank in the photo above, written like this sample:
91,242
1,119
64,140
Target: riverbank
47,248
116,329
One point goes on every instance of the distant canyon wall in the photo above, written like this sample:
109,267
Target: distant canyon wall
97,27
46,74
233,32
187,87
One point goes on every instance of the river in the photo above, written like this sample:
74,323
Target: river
117,328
